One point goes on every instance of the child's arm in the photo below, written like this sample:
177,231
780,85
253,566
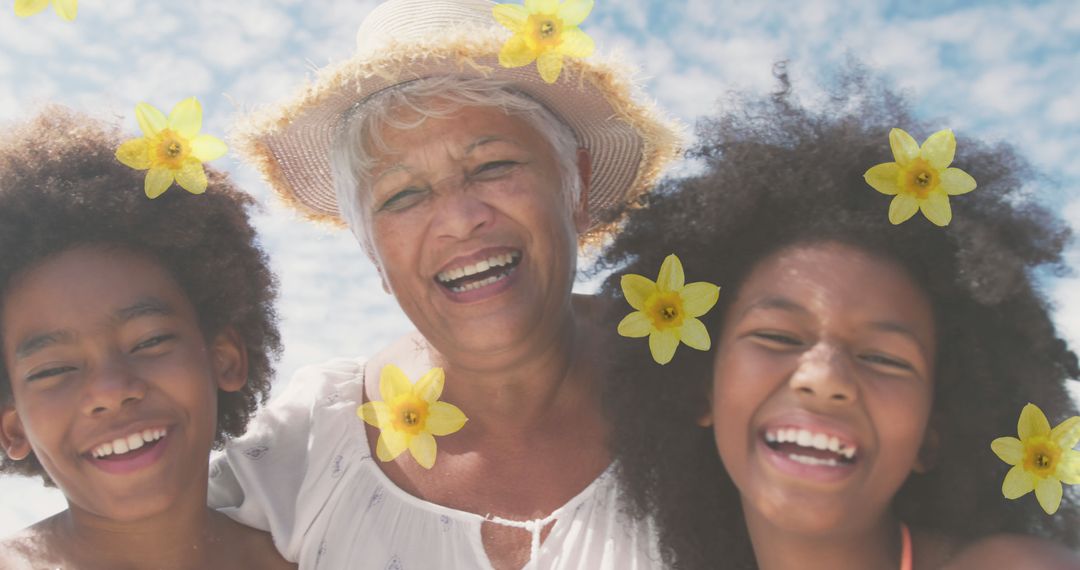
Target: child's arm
258,480
1014,551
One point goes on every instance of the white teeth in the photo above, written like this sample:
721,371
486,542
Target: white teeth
478,267
808,460
808,439
128,443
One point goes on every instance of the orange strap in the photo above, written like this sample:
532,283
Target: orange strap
905,547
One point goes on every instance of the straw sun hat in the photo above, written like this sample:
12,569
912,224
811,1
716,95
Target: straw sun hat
405,40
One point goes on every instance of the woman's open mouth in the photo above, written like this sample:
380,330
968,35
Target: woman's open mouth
486,273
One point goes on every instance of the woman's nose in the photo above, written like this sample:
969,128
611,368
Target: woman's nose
460,213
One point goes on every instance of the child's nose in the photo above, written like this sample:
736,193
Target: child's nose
825,373
111,385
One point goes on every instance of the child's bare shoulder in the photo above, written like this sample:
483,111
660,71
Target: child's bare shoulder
250,546
30,548
1008,551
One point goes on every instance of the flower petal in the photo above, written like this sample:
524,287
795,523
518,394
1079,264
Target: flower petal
1069,469
939,149
375,413
1067,433
936,208
904,148
67,9
445,419
699,297
549,64
430,386
151,121
511,16
637,290
542,6
191,176
694,334
1032,423
574,12
884,178
185,119
423,449
208,147
1048,492
662,345
516,52
1008,449
391,444
24,8
671,276
157,182
955,182
576,43
635,325
901,209
393,383
1017,483
135,153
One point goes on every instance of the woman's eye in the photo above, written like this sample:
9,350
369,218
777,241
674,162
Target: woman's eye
778,338
153,341
49,372
887,361
402,199
493,169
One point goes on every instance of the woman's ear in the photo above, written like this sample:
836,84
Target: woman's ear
928,451
12,434
229,355
581,213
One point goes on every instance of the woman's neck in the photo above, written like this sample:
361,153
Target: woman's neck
877,547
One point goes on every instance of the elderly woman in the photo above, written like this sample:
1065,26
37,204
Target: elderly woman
470,186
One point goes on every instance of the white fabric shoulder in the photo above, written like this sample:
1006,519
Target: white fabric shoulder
258,477
305,473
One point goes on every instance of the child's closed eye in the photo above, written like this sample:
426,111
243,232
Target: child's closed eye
152,342
49,372
776,339
886,362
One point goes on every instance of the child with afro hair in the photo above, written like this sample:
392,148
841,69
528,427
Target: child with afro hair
136,335
859,370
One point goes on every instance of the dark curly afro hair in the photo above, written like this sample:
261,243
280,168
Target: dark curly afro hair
62,187
775,174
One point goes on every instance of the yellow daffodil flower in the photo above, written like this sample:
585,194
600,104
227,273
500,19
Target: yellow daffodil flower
409,415
172,149
544,31
1042,458
66,9
667,310
920,179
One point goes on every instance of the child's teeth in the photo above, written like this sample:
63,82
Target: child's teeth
805,438
128,443
120,446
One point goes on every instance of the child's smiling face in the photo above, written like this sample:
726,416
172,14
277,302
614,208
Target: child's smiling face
115,387
822,387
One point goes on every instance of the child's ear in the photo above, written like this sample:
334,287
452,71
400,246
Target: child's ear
12,435
230,360
706,419
928,452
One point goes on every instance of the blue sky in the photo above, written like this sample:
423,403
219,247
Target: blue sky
994,70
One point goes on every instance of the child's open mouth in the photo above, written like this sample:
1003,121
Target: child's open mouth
131,452
810,448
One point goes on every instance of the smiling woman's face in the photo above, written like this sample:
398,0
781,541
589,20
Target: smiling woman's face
472,233
822,387
115,388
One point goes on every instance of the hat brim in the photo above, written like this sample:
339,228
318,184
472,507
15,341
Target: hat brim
628,141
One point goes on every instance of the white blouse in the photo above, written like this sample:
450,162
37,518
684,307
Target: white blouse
304,472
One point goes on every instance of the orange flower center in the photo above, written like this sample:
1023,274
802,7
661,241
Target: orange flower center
172,149
921,178
666,310
546,31
1041,456
409,413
